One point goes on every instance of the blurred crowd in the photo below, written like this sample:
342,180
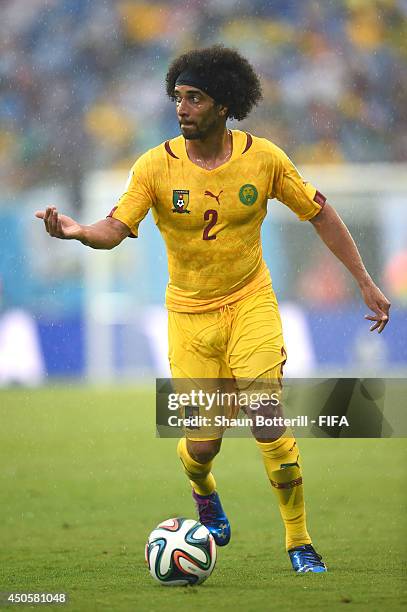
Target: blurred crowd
82,81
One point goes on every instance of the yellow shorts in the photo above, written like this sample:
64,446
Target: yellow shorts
242,342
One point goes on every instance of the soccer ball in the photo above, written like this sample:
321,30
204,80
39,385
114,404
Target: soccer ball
180,551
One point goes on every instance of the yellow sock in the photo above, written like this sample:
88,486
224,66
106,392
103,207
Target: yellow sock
199,474
281,460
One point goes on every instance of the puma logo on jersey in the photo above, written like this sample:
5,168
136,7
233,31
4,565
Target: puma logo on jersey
212,195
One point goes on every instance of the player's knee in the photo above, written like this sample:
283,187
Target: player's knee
203,451
266,421
267,410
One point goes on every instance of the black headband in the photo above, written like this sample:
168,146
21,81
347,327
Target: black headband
189,77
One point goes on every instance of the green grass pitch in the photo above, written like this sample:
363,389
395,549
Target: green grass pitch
83,480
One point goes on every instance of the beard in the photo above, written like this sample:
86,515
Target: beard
190,134
193,132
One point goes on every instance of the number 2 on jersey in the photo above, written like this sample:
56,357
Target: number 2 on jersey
211,216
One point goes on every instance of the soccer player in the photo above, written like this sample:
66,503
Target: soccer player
208,190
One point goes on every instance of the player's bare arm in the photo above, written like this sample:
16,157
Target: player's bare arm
104,234
338,239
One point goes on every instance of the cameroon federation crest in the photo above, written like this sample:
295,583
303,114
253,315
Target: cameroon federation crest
180,201
248,194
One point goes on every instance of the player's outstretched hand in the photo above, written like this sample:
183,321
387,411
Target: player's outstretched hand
380,305
59,226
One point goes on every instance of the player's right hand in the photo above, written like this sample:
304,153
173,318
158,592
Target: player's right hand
59,226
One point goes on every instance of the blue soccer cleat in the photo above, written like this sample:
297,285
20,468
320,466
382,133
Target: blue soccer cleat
305,559
212,515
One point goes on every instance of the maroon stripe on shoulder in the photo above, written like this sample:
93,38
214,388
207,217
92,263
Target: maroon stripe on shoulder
168,149
249,142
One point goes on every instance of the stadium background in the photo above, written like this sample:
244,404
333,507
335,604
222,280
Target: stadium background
82,95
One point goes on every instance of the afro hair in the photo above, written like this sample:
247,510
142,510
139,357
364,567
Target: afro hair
234,83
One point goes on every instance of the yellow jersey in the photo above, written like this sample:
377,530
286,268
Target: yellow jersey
210,219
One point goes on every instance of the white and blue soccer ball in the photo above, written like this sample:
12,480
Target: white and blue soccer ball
180,552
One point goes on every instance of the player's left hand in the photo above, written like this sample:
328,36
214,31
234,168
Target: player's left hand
380,305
